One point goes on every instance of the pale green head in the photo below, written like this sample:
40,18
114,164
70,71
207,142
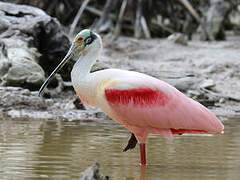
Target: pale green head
84,34
84,42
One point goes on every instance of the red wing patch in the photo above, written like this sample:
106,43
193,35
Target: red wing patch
136,97
182,131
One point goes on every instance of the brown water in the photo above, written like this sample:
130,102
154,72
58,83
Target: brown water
51,149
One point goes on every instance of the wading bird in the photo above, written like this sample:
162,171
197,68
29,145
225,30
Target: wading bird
143,104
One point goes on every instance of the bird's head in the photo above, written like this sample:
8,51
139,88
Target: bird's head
85,42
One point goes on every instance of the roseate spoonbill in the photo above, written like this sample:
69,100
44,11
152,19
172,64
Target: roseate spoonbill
143,104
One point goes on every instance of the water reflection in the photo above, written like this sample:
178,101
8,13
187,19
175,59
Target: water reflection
54,149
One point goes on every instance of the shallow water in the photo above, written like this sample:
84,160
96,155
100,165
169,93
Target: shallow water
53,149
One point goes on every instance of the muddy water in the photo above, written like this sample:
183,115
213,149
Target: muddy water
51,149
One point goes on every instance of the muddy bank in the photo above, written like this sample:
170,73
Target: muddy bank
205,71
22,103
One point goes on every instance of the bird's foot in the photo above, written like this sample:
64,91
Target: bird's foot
131,143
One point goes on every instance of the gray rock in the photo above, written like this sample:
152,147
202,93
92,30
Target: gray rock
21,68
17,98
4,62
178,38
92,173
207,84
31,42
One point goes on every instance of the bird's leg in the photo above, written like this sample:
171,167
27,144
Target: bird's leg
142,172
142,153
131,143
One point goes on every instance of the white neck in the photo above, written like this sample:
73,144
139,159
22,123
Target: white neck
83,66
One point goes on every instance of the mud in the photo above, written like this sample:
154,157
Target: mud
206,71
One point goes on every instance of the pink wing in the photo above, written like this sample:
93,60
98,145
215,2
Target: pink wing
148,105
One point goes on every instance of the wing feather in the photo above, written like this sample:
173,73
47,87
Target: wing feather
151,103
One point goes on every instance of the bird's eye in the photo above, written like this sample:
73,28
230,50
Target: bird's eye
88,41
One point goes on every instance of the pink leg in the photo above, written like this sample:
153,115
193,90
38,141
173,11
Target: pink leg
142,153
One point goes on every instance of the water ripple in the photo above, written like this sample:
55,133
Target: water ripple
55,149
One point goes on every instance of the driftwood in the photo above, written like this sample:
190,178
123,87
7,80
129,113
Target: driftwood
137,26
213,20
192,11
145,28
118,26
159,25
140,18
104,16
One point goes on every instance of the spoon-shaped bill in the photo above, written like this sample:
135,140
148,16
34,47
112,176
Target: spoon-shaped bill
65,59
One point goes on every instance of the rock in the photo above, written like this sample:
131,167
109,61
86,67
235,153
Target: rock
23,69
31,42
202,97
184,84
207,84
92,173
178,38
17,98
4,62
213,19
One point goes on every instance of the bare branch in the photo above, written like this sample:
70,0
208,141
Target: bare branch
78,16
137,28
145,28
117,29
104,14
192,11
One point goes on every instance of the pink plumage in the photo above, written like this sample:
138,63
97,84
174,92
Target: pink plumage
158,109
145,105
